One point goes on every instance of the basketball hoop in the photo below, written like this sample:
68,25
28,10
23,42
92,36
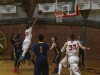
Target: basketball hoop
58,17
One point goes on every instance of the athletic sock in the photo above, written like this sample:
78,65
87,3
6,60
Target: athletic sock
59,69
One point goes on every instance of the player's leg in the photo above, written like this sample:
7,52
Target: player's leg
79,57
45,68
15,58
28,56
71,72
73,60
83,58
25,47
62,63
55,63
18,63
37,68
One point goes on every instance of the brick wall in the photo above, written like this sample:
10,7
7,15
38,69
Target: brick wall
61,32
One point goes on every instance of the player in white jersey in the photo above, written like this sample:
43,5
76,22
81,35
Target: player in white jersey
72,49
27,40
64,61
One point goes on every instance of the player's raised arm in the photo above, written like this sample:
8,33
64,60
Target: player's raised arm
35,21
9,29
32,55
82,47
21,28
64,47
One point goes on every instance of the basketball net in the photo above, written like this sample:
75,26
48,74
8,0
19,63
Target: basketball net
58,17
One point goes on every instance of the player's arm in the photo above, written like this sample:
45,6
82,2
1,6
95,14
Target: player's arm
17,37
49,57
35,21
53,46
64,47
21,28
10,30
48,54
32,55
82,47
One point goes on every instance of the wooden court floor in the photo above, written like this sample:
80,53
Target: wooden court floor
7,66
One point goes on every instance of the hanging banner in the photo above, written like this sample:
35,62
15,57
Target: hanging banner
84,4
47,7
95,4
8,9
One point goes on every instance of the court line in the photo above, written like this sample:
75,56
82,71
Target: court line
1,62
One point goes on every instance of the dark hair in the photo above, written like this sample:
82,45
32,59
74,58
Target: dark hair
12,35
41,37
55,38
72,36
27,26
79,35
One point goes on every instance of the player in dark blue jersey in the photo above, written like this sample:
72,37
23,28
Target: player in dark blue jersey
16,44
57,55
40,49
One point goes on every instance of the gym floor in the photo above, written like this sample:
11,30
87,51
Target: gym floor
7,66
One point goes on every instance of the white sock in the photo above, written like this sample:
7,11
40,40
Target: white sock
60,68
24,52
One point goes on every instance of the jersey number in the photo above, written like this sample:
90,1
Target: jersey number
27,33
41,49
72,47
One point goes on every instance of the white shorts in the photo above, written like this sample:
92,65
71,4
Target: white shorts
26,44
64,61
73,59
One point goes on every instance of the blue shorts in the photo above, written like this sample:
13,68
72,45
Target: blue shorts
56,58
41,67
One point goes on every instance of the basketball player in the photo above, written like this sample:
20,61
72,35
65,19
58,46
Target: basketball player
72,49
40,49
64,61
16,49
57,56
27,40
28,55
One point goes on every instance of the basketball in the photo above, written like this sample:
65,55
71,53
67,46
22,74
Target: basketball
39,12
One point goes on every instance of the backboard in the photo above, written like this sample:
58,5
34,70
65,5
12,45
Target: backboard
68,8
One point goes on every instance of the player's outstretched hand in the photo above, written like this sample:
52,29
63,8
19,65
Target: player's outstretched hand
88,48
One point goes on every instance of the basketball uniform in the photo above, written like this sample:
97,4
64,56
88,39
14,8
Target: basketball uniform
57,56
26,42
73,51
14,49
41,64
